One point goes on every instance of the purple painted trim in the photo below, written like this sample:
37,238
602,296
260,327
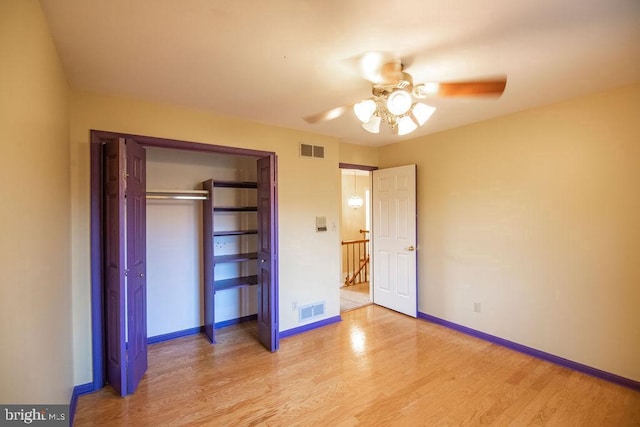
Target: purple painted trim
627,382
97,344
199,329
78,390
310,326
173,335
209,332
150,141
275,258
243,319
358,167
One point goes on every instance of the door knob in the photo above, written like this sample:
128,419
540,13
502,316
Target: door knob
141,274
262,261
411,249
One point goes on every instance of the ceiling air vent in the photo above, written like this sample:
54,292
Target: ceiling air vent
318,151
307,150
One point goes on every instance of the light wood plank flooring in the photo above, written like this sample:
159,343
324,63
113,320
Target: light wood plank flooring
375,368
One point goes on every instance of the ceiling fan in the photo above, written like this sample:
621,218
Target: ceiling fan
397,101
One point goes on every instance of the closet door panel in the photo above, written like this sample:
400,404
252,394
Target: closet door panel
114,264
136,264
267,256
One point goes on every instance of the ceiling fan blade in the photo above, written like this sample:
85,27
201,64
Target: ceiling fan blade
327,115
472,88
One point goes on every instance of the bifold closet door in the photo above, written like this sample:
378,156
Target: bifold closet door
125,264
267,256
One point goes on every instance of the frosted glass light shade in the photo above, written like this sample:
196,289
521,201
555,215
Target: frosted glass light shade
422,112
372,125
364,110
406,125
354,201
399,102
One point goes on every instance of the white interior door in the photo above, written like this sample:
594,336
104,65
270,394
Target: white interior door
394,239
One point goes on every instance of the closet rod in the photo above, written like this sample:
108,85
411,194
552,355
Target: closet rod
179,194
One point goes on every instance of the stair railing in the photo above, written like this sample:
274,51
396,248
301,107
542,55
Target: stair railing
357,260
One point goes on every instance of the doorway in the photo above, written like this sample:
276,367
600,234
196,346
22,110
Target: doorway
268,289
355,235
393,236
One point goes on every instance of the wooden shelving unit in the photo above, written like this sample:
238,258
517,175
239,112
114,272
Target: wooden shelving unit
211,260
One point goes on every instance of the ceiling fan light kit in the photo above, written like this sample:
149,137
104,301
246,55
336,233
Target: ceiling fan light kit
397,101
399,112
393,102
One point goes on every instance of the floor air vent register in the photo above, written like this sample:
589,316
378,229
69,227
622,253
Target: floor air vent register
310,311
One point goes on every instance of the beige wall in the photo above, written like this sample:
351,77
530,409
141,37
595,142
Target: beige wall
36,364
536,217
362,155
307,187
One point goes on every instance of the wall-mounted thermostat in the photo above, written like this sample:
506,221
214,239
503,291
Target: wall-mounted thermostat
321,223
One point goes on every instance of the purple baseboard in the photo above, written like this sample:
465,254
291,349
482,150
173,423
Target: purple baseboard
78,390
310,326
172,335
199,329
626,382
225,323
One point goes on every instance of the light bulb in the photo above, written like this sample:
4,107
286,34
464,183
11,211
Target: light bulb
399,102
354,201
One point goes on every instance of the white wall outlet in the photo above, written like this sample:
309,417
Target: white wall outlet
477,307
294,306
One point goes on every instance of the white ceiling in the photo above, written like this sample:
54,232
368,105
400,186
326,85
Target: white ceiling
278,61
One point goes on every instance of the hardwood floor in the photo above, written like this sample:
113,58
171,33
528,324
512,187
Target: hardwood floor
376,367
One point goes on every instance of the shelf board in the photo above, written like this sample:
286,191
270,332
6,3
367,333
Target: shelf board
235,209
234,258
235,184
236,282
234,232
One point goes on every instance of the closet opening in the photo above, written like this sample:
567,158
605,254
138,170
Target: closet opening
185,197
211,245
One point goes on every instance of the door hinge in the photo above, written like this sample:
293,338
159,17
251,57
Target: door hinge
126,272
